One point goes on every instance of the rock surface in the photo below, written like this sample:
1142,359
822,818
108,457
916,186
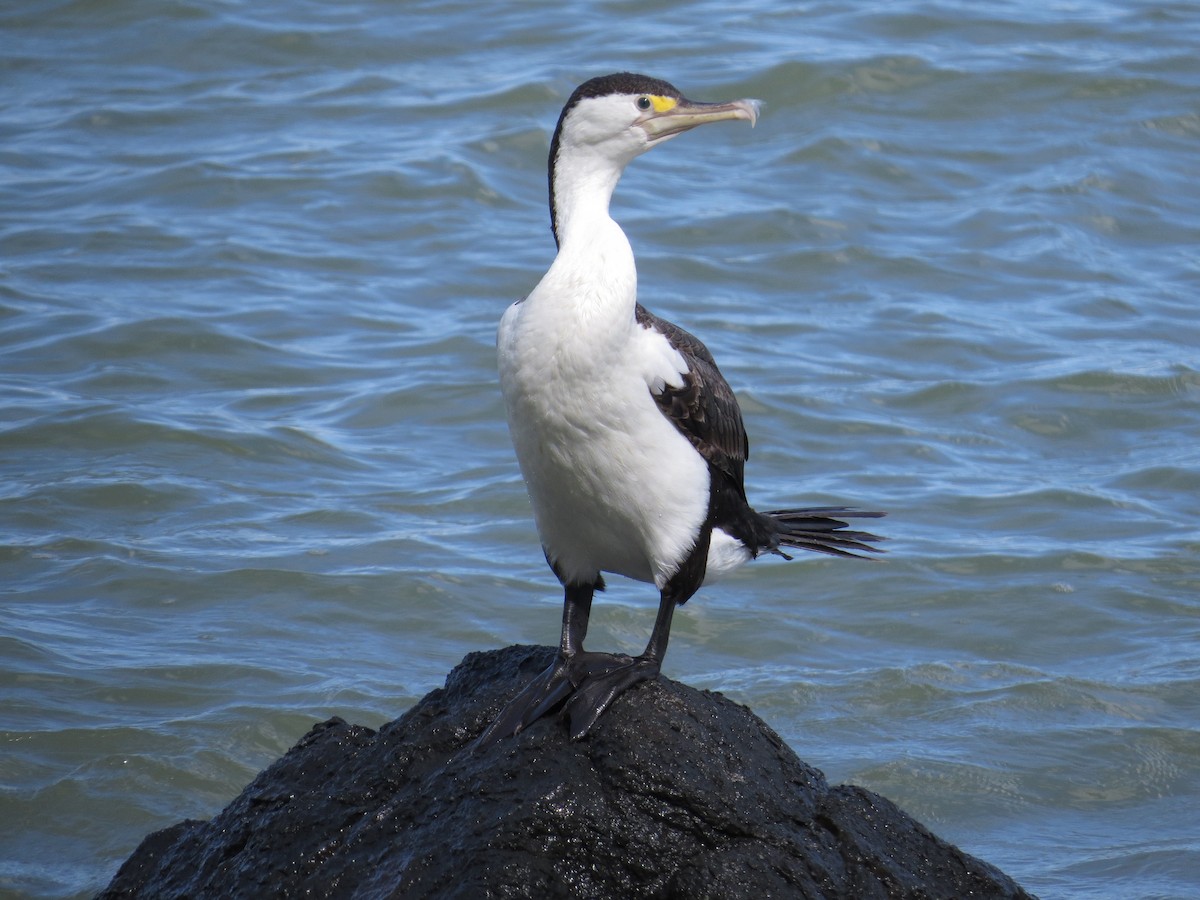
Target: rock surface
676,793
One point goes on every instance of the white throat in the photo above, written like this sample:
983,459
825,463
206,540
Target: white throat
584,182
594,271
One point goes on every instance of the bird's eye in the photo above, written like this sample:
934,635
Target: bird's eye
643,103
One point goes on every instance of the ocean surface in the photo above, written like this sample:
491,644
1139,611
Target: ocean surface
254,470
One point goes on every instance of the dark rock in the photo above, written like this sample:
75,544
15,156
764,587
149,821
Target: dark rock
676,793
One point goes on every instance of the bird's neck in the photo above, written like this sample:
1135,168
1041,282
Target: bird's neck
582,185
593,279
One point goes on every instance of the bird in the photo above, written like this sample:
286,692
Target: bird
630,441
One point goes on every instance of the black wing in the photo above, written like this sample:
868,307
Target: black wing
704,410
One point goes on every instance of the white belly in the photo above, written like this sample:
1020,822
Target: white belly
614,486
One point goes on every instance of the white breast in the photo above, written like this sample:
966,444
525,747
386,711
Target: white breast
614,486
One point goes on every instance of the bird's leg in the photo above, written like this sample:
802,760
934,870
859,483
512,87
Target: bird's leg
595,695
587,704
571,668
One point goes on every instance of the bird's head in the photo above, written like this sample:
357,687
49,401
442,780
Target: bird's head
624,114
611,119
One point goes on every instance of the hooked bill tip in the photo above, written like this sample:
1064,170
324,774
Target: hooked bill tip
753,108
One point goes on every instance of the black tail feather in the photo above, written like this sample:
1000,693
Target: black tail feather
821,530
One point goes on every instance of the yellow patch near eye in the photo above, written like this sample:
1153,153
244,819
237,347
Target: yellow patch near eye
662,104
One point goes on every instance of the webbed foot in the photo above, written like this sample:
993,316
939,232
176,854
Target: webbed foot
561,680
587,704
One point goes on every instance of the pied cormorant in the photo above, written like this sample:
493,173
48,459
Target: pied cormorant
630,441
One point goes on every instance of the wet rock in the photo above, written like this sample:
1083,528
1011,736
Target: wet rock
676,793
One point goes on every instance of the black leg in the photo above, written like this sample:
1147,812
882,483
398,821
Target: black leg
570,669
589,682
586,705
577,609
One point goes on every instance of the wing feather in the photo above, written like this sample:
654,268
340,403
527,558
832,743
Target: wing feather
704,408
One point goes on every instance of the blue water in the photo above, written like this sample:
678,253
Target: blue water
254,466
